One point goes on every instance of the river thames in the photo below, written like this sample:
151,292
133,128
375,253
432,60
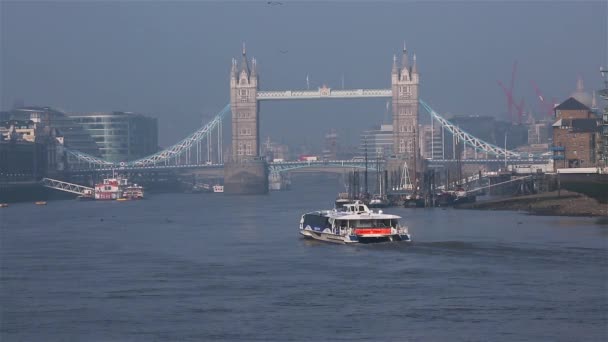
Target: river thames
206,267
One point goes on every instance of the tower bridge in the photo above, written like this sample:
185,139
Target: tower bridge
246,172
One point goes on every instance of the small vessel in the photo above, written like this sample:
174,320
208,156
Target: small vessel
218,188
87,195
133,192
200,188
341,200
115,188
378,202
454,197
110,188
354,223
3,205
462,196
40,203
413,200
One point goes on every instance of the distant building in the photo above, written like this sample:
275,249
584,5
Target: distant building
75,138
28,151
120,136
377,142
431,141
330,151
604,136
576,134
18,130
274,151
539,133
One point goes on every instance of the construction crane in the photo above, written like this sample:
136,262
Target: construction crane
513,71
509,92
520,111
545,106
519,107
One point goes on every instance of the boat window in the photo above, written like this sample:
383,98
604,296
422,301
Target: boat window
316,221
363,223
361,208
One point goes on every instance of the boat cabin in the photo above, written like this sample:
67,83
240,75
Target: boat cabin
356,207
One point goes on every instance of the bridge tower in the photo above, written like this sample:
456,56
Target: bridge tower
405,82
245,172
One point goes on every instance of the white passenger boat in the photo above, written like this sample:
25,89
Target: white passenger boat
218,188
355,223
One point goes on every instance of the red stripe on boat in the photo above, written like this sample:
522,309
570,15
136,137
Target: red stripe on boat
368,231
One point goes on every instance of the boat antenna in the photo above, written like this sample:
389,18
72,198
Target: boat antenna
378,179
365,145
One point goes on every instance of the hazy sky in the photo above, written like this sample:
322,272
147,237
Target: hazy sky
171,60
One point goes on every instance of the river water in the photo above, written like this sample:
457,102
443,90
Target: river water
217,267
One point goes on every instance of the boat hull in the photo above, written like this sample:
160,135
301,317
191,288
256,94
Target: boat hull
353,239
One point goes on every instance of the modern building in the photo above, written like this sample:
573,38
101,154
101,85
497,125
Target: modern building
576,134
377,142
330,150
120,136
431,141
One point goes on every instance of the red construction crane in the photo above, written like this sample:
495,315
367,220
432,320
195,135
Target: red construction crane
520,111
513,71
509,92
546,107
519,107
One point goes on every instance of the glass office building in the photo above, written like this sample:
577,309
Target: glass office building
121,136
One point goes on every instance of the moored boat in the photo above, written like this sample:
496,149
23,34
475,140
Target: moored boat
378,202
218,188
355,223
87,195
110,188
114,189
133,192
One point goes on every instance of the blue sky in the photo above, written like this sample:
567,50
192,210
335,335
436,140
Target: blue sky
171,59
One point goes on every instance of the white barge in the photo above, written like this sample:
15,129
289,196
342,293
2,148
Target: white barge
354,223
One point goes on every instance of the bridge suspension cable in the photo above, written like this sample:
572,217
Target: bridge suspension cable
91,160
173,152
468,139
184,145
194,141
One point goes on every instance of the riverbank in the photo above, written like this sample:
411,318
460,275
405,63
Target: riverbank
566,203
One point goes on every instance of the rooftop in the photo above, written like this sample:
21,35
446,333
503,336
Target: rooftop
571,104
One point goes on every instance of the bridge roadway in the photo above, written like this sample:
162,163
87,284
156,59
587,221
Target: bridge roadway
323,93
292,165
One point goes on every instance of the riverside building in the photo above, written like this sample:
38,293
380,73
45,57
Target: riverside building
121,136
